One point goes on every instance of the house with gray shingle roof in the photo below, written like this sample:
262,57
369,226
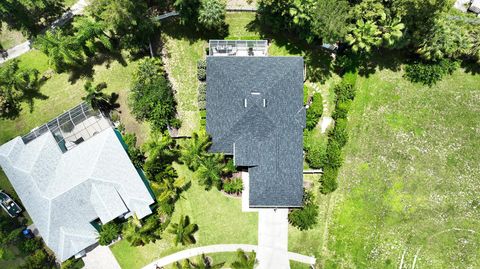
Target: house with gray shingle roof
255,112
65,190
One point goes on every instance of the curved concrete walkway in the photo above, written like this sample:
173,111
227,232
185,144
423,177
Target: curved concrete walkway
188,253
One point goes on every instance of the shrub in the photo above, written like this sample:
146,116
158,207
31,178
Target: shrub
73,264
328,181
339,132
333,155
305,94
429,73
304,218
136,155
315,156
344,91
202,74
203,114
314,112
30,245
202,105
233,186
108,232
202,64
341,110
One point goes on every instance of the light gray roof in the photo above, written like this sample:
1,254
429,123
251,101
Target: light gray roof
64,192
255,112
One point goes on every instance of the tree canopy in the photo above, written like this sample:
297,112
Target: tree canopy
151,96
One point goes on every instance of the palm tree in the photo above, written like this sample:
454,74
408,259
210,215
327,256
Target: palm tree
364,36
211,170
139,234
95,97
183,231
161,150
169,188
194,149
62,50
206,263
245,260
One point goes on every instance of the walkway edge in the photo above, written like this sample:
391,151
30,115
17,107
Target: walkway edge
188,253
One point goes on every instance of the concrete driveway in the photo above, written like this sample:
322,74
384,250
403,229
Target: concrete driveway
100,257
273,239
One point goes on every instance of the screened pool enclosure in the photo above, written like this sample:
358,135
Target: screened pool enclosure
72,127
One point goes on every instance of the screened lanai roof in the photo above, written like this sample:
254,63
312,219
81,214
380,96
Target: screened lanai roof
72,127
238,48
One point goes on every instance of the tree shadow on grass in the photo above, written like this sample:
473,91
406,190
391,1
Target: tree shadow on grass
174,28
86,70
471,67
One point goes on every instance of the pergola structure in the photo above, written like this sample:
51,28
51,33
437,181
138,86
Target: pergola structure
72,127
238,48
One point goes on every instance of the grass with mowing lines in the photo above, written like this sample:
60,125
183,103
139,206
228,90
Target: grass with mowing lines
220,220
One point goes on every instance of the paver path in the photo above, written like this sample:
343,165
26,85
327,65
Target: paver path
100,257
24,47
188,253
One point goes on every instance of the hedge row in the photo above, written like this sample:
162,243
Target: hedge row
314,112
338,136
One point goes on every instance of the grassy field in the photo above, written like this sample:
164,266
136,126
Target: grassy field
219,218
409,187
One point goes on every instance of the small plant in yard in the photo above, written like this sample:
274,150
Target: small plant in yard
306,217
202,95
430,73
184,231
233,186
108,232
245,260
202,74
328,181
314,112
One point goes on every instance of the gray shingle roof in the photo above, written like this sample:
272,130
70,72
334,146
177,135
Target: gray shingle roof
255,112
63,193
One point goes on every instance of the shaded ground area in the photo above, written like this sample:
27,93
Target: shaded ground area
219,218
408,191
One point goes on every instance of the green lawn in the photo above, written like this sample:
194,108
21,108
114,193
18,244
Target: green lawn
409,186
219,218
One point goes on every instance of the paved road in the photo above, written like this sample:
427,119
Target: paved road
20,49
100,257
188,253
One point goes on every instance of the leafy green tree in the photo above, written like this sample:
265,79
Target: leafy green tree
194,150
73,264
184,231
30,245
245,260
364,36
212,13
16,85
108,232
306,217
90,35
63,51
330,20
151,97
188,9
125,20
210,171
446,40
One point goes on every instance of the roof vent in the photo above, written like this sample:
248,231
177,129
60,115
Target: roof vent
245,102
255,93
264,102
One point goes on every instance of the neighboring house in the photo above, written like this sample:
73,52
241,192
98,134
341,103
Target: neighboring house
255,112
71,173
